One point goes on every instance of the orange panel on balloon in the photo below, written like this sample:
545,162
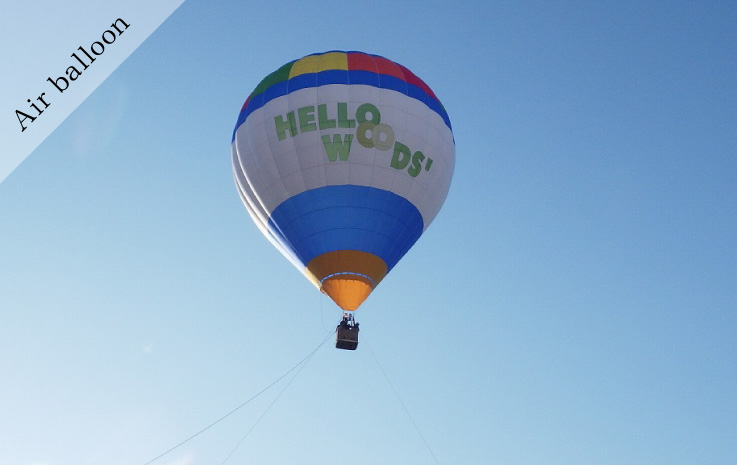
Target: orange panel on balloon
348,291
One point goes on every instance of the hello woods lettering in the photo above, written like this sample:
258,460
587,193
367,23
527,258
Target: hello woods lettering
369,131
84,57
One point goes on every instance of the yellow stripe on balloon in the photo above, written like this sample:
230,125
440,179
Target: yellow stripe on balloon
317,63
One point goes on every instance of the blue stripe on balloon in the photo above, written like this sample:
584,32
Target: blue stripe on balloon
349,273
347,217
308,80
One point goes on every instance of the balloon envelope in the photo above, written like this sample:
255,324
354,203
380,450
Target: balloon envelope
342,160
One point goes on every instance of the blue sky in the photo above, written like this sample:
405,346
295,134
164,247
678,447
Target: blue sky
573,303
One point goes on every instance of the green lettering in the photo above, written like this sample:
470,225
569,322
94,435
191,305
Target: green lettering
322,117
282,126
337,147
416,164
362,110
361,134
343,121
400,150
383,136
428,163
306,117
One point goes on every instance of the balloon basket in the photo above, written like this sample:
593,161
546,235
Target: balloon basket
346,333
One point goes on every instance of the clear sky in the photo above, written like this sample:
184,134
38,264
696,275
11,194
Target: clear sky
575,301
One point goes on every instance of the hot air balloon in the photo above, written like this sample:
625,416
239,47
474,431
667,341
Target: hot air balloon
343,159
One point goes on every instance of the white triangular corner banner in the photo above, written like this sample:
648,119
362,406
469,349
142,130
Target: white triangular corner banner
57,54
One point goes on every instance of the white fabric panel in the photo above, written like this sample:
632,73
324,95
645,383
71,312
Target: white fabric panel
336,173
360,174
314,177
274,173
259,216
383,178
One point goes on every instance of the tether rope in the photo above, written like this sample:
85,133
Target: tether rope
306,361
406,410
243,404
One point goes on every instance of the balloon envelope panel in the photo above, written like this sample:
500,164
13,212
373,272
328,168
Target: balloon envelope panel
343,159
